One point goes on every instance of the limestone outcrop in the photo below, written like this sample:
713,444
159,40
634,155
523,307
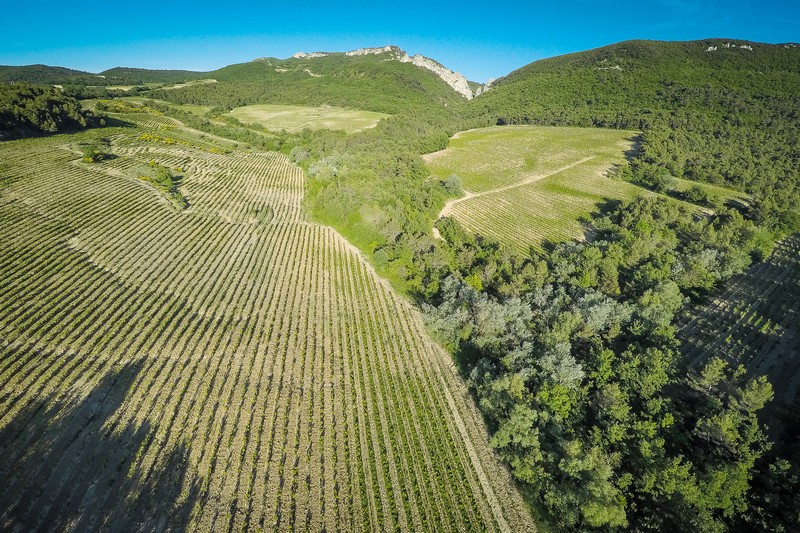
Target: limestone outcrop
455,80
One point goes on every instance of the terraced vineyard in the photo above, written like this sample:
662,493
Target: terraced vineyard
754,323
526,185
227,366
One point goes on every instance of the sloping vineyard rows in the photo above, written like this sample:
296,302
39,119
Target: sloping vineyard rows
542,211
754,322
230,366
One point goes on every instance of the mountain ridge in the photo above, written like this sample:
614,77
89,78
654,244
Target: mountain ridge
457,81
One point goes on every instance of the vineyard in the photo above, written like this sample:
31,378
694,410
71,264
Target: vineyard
530,185
227,366
294,118
754,323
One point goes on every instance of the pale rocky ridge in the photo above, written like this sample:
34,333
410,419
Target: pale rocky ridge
303,55
455,80
730,45
485,87
373,51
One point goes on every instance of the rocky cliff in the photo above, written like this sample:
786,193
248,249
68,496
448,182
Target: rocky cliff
303,55
453,79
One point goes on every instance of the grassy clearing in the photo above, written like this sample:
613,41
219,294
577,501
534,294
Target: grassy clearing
198,110
723,194
229,366
531,185
527,185
295,118
488,158
191,83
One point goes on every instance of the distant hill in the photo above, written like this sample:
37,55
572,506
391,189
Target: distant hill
133,76
47,75
619,84
375,79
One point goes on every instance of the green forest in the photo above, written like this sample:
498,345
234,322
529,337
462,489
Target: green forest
572,355
27,110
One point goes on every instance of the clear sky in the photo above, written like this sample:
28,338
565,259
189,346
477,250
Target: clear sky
482,40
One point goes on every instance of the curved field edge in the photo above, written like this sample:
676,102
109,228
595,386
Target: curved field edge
534,186
227,366
295,118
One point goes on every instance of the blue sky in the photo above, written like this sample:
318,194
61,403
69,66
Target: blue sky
482,40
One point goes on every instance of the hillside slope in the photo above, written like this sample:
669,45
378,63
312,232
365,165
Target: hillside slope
615,84
50,75
717,110
47,75
130,75
369,79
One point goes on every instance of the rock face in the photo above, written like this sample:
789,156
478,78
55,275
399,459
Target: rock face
453,79
485,87
730,45
373,51
303,55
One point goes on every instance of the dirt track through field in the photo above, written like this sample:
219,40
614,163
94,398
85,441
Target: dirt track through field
525,181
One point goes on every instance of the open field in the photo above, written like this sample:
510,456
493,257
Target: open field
488,158
230,366
754,322
198,110
190,83
295,118
724,194
526,186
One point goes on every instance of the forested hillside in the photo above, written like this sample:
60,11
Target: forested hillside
371,82
717,110
47,75
27,110
127,75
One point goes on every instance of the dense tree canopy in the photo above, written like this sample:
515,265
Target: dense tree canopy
29,110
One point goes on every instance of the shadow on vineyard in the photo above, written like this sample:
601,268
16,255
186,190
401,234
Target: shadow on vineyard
116,122
47,481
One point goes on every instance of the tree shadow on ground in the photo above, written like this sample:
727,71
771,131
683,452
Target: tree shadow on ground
65,465
636,147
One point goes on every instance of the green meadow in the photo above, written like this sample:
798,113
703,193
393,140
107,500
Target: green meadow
526,186
294,118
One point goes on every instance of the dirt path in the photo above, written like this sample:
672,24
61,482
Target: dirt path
448,207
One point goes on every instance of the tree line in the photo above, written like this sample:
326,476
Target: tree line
27,110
